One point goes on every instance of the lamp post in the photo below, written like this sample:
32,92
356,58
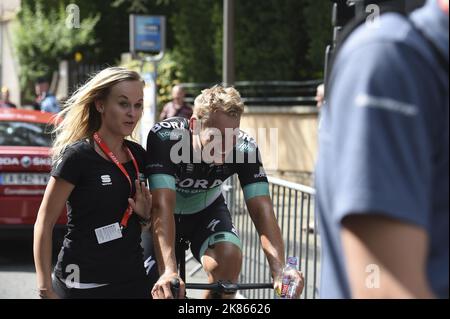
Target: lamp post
1,43
228,42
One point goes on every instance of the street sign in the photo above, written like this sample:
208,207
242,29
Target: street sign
147,34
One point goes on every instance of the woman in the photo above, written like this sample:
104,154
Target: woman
98,173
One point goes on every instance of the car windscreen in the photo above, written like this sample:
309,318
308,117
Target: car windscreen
25,134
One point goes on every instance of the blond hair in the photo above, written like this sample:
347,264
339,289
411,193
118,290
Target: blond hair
80,118
218,98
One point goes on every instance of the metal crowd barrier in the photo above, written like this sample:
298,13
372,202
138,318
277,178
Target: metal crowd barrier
294,209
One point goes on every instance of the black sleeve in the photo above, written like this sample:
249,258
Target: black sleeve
68,166
252,175
252,170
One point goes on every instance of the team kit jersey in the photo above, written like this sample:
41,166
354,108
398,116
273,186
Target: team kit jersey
99,199
201,212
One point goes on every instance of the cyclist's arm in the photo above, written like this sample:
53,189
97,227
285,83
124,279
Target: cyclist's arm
377,257
53,202
262,214
164,229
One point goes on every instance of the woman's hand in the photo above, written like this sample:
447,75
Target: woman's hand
47,294
143,203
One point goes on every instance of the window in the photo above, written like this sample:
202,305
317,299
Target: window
25,134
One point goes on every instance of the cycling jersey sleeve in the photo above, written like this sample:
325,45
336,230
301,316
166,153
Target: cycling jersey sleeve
160,168
252,175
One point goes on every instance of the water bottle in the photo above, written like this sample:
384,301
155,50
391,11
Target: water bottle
288,284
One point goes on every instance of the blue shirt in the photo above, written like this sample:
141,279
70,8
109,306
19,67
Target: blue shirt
50,104
384,140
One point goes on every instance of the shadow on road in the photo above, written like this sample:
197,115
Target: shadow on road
16,255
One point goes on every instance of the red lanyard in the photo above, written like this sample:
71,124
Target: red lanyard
113,158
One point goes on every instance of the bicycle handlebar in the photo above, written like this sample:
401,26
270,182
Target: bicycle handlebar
224,287
175,287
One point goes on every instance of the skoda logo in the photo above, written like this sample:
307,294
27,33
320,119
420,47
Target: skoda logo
25,161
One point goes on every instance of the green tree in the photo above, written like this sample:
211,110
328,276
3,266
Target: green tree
318,25
270,40
195,40
42,39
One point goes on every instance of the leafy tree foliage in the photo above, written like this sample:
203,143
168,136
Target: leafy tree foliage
42,39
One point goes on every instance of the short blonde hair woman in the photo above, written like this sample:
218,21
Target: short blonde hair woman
99,174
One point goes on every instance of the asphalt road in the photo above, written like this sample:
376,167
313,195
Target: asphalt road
17,273
18,276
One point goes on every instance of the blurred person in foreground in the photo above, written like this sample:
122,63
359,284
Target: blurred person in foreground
382,173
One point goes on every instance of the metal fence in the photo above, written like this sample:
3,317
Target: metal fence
294,209
79,73
265,93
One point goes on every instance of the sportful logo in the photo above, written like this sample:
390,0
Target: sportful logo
106,180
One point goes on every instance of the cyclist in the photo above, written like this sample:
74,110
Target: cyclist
188,160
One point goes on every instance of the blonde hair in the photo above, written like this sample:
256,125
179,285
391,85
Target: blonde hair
80,118
218,98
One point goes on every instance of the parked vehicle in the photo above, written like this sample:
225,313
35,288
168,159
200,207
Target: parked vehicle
25,164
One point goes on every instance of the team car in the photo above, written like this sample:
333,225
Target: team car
25,164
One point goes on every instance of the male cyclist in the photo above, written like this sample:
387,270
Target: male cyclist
188,162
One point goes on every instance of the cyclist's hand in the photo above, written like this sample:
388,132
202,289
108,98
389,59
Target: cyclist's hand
300,284
162,288
298,279
142,204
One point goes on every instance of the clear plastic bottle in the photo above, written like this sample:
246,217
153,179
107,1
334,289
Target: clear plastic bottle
288,284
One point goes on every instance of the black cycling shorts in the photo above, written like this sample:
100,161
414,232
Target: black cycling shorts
208,227
203,230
